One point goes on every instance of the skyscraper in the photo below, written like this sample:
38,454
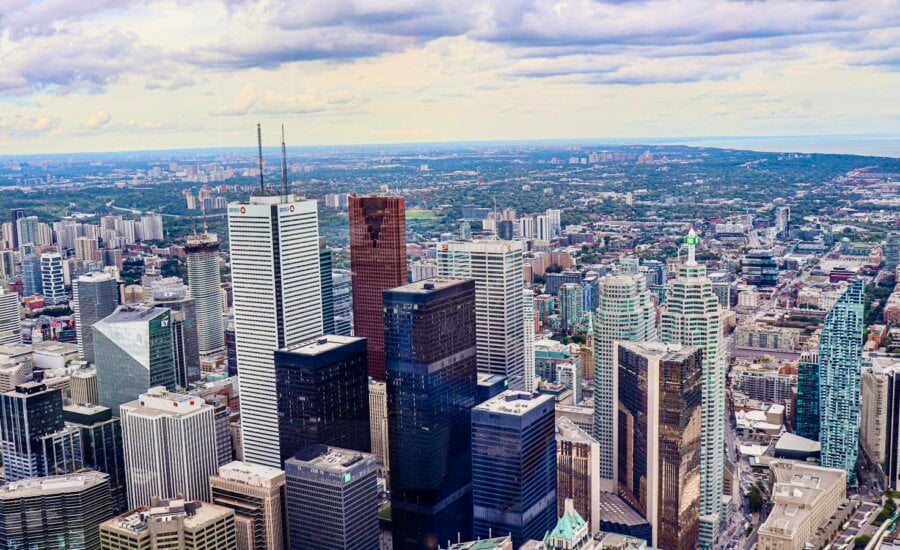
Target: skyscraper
10,318
625,313
257,496
332,499
528,334
32,282
55,512
327,288
205,283
840,363
15,215
378,423
277,303
52,279
571,305
807,414
429,329
496,267
343,307
96,296
692,317
322,389
172,293
577,472
892,251
171,523
102,448
658,461
134,351
378,262
514,466
170,446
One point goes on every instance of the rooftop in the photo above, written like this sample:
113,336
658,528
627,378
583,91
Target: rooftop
332,459
250,474
798,489
133,314
429,285
158,401
51,485
615,510
513,402
567,429
323,344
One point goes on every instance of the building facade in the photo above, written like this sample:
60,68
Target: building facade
257,496
52,282
205,282
102,447
577,472
10,318
96,296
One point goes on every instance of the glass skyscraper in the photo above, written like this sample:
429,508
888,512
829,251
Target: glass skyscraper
840,372
96,296
514,466
101,439
807,415
327,286
429,329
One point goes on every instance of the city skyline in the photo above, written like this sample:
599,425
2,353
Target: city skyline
403,71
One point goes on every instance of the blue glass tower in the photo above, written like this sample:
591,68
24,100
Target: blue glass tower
514,466
807,417
429,331
840,364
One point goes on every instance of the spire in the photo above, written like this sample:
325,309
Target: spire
691,241
262,185
284,182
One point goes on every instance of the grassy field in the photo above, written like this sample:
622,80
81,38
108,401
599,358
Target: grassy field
420,214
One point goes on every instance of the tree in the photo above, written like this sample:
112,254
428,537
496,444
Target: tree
861,541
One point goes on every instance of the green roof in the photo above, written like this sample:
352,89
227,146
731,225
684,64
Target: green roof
566,527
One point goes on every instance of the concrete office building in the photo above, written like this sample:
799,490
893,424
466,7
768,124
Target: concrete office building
804,498
873,418
431,388
42,512
205,283
625,313
102,447
274,242
83,387
10,318
659,411
257,496
134,351
170,446
496,267
171,524
378,262
378,424
514,466
52,279
96,297
692,317
577,472
332,499
323,395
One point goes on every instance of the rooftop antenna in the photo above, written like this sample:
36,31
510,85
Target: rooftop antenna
284,183
496,219
262,186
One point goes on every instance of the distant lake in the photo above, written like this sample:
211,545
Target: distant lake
870,145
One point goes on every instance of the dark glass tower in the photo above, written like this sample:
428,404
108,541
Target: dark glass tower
323,395
807,415
514,466
14,215
96,296
325,264
101,440
378,262
429,331
30,414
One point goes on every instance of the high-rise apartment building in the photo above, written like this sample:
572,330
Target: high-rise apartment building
658,462
96,297
378,262
27,230
332,499
55,512
152,227
322,389
692,317
625,313
514,466
553,215
892,251
10,318
528,338
327,287
133,351
257,496
807,413
432,386
205,283
87,250
840,360
577,472
170,446
171,524
52,279
571,305
15,215
277,303
172,293
496,267
873,413
32,281
102,447
378,423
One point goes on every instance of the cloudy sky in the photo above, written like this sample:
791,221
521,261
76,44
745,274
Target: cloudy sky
103,75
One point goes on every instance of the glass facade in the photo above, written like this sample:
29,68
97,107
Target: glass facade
29,413
323,395
327,284
807,415
101,440
429,329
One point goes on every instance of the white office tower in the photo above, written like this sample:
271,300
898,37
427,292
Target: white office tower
52,279
96,296
528,332
496,267
205,283
170,446
625,313
692,317
10,318
553,218
277,303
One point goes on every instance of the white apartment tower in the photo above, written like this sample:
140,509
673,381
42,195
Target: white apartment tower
528,332
52,279
277,303
10,318
692,317
496,267
170,446
205,283
626,313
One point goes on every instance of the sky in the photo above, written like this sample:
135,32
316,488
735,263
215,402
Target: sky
112,75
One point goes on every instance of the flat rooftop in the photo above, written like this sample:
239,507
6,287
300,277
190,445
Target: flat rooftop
798,489
332,459
615,510
50,485
514,403
251,474
133,314
429,285
322,344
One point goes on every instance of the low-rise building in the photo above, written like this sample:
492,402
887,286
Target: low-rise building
176,523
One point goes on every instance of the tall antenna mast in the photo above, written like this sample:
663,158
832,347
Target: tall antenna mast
262,186
496,219
284,183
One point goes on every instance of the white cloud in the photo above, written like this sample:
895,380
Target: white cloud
97,120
